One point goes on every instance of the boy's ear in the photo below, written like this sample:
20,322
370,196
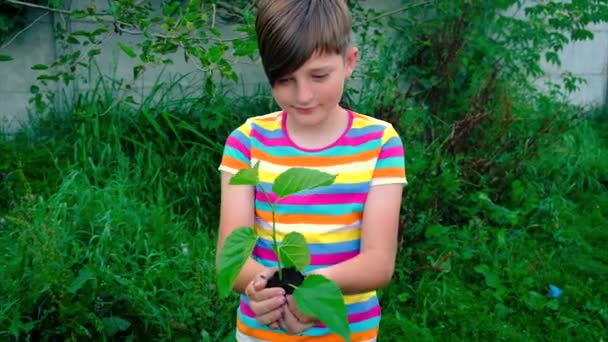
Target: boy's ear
350,60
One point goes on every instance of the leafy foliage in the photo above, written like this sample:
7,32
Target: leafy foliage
248,176
166,28
298,179
236,251
314,295
294,251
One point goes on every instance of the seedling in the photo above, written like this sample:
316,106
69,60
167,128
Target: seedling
314,294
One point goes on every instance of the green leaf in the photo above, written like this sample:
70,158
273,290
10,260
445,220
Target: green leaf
237,248
72,40
553,57
215,53
78,14
248,176
319,297
40,67
482,268
169,9
48,78
129,51
84,275
492,280
94,52
138,70
5,58
81,33
131,99
245,47
209,87
299,179
294,251
215,32
115,324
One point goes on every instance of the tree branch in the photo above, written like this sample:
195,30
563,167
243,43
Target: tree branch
119,24
23,30
166,36
213,16
395,11
27,4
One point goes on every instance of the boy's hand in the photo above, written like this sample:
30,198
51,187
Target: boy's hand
266,303
293,320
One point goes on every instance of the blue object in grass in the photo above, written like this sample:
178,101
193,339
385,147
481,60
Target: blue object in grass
554,291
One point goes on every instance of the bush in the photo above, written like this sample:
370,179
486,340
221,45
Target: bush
497,173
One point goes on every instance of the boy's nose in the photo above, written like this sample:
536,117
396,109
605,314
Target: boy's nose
304,94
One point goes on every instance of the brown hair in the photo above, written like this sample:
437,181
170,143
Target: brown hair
290,31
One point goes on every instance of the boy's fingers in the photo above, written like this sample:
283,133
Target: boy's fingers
261,308
269,318
286,322
291,325
291,304
267,294
256,290
259,283
261,279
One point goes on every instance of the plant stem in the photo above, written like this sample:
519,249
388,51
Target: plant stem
275,246
274,241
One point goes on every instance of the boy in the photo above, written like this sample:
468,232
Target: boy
351,226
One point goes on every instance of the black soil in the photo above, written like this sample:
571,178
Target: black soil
291,276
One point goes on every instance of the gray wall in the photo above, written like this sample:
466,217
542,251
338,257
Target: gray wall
587,59
35,46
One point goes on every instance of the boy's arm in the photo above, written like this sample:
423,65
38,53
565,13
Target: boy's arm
373,267
237,210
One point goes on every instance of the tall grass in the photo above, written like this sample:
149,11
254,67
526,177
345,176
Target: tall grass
108,222
489,278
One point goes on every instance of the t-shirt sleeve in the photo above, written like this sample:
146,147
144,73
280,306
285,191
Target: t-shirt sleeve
390,166
237,150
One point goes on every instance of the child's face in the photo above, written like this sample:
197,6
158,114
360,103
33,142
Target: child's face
313,92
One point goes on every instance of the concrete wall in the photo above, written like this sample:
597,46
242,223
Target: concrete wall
589,60
37,46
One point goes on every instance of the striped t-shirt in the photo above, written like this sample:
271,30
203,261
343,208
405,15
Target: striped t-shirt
368,153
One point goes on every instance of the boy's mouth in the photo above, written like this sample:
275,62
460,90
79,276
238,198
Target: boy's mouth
304,110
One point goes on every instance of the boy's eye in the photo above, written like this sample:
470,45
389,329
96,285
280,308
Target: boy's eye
320,77
283,80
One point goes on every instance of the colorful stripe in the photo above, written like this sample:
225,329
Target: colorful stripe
319,199
315,259
264,334
319,248
368,154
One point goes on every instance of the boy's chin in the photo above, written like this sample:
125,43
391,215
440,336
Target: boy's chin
308,120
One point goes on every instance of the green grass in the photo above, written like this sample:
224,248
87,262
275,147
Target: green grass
109,221
108,229
88,256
